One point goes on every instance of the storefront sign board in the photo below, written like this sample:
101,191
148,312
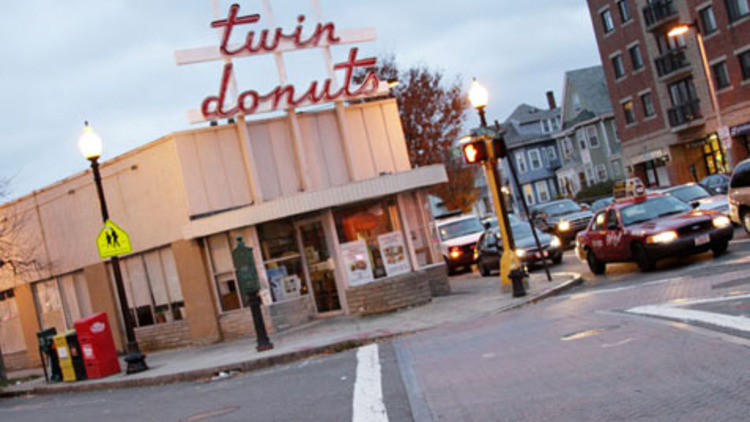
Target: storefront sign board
393,251
357,262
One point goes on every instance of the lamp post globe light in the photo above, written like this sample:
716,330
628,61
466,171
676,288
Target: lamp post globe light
723,132
90,145
511,274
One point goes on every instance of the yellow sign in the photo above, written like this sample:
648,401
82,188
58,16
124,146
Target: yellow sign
113,241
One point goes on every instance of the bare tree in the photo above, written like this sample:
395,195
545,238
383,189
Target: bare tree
432,112
16,254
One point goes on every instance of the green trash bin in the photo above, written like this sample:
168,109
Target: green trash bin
48,354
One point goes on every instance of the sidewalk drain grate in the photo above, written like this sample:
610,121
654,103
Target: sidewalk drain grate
211,414
588,333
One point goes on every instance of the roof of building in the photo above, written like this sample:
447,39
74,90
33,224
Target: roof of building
525,114
591,86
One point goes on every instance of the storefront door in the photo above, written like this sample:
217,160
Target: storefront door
319,265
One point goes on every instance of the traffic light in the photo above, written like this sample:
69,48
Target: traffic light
499,147
475,152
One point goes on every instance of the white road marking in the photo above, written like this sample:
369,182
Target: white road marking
619,343
619,289
368,389
676,311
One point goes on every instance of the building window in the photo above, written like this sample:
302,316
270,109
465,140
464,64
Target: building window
542,191
648,105
567,147
622,6
607,22
745,64
528,192
521,162
153,287
708,20
367,222
282,259
721,75
682,92
627,109
593,136
553,188
545,126
11,330
616,168
576,102
737,9
601,172
713,155
62,301
581,137
535,159
552,153
636,57
618,67
590,176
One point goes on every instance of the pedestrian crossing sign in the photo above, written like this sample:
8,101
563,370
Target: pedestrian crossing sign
113,241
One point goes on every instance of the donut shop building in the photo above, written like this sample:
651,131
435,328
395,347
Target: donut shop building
337,218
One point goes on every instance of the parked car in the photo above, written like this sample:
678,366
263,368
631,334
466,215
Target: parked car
458,238
739,195
490,246
563,218
718,184
602,203
648,228
699,197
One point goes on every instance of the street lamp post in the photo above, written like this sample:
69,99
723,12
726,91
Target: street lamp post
723,132
511,273
90,145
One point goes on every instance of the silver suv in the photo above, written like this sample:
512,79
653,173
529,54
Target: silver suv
739,195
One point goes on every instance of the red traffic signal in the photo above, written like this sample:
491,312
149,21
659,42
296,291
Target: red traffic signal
475,152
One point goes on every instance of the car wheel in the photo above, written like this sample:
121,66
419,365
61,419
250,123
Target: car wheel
719,249
483,270
746,221
557,260
595,265
645,262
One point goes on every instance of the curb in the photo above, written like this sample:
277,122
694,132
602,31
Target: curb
266,362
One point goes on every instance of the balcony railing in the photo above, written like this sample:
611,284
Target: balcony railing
684,113
658,12
672,61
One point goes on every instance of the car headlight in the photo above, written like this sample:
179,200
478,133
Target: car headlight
663,237
555,242
563,225
721,222
455,253
521,252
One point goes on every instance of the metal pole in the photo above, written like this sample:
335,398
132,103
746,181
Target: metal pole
135,359
714,99
514,176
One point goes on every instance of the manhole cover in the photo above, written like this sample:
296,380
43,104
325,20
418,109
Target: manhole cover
211,414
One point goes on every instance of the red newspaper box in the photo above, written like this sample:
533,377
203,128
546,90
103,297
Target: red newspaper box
97,346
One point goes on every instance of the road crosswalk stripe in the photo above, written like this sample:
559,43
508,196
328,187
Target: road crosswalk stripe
677,311
368,388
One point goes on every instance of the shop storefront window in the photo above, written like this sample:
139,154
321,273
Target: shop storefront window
153,288
11,331
419,230
62,301
367,222
282,260
713,155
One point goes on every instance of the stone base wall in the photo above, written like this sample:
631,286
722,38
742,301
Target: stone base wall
164,336
20,360
292,313
437,275
390,294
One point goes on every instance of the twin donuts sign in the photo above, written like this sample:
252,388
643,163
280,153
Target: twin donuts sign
275,41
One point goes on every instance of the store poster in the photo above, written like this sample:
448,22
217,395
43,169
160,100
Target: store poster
357,262
275,277
393,251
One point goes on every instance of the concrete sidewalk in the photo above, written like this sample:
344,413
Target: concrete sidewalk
472,297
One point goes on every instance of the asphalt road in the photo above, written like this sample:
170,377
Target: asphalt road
670,345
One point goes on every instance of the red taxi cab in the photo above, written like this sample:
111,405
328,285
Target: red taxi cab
644,228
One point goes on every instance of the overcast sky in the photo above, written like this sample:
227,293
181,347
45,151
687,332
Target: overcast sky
112,63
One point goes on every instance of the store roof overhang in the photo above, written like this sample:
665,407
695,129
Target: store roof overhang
384,185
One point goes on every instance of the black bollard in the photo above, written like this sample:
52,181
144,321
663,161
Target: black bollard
516,277
264,343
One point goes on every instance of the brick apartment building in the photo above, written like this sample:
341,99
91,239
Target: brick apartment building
659,89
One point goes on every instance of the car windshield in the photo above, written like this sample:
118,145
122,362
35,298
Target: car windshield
689,193
460,228
601,203
652,208
559,208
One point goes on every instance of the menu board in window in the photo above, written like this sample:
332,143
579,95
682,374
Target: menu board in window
393,251
357,262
